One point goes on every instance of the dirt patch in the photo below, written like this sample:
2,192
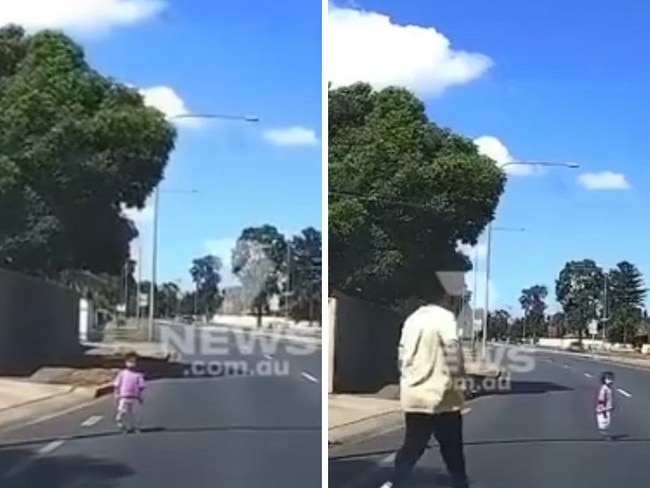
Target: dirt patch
93,370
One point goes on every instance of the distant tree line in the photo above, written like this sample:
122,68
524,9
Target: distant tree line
612,299
267,265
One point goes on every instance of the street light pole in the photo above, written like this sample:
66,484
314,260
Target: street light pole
156,208
488,255
489,245
154,262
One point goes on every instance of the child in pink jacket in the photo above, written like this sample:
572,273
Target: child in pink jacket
129,386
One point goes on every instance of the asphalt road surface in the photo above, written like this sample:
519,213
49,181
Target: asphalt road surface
540,434
234,429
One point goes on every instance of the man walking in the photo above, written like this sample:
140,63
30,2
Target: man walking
431,390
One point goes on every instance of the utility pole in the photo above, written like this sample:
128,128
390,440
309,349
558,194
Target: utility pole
139,284
605,307
475,300
487,290
287,305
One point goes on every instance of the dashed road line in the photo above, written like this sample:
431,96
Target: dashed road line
623,392
19,467
268,356
589,375
566,366
90,421
309,377
465,410
47,448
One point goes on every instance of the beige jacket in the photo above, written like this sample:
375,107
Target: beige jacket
431,362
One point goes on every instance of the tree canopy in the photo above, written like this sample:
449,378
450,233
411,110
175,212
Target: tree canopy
612,299
403,193
76,147
206,275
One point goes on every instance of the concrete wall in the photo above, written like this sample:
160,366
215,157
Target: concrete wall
39,322
363,342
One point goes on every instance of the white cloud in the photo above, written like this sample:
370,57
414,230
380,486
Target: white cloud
223,248
494,149
369,46
291,136
473,252
84,17
170,103
605,180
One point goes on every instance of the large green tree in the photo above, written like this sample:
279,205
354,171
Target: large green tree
625,301
533,304
305,254
579,290
76,148
260,261
206,274
499,323
403,192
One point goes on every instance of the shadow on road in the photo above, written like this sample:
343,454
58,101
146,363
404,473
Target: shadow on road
528,388
22,469
7,447
617,438
362,473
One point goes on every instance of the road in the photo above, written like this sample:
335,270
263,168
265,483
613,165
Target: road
229,430
540,434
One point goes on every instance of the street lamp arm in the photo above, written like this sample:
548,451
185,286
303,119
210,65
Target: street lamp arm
245,118
540,163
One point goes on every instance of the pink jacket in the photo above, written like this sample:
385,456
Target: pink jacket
129,384
604,400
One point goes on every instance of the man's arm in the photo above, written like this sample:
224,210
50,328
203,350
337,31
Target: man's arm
408,345
452,346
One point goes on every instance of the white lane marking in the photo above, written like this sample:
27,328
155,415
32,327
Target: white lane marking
90,421
309,377
363,479
465,410
21,466
588,375
268,356
623,392
47,448
566,366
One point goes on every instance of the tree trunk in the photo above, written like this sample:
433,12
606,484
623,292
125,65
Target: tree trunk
260,310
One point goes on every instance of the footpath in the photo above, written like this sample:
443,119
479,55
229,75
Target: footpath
353,418
53,390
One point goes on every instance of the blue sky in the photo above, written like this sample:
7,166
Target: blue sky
553,81
244,57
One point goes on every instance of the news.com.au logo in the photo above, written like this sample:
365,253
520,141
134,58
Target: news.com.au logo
218,368
215,351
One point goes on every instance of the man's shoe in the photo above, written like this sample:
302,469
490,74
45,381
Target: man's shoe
460,483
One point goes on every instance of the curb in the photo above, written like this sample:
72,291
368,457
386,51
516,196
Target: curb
103,390
38,400
379,424
365,428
